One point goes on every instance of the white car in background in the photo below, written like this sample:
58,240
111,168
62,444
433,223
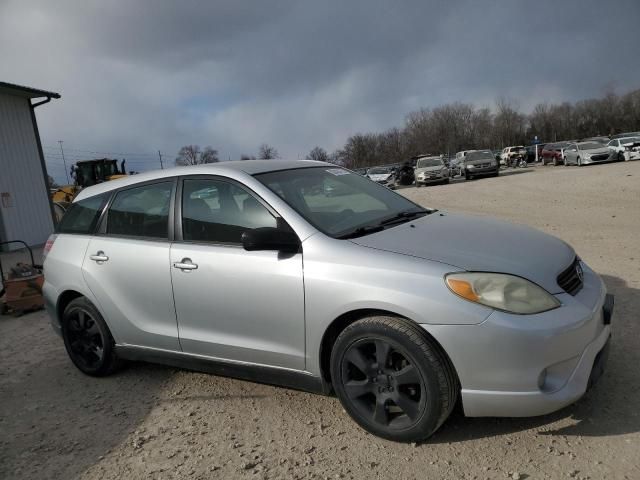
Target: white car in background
383,175
627,147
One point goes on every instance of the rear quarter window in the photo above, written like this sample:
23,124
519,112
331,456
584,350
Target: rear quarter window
82,216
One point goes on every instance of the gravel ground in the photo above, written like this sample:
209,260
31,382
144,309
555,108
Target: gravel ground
155,422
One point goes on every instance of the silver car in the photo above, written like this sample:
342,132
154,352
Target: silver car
585,153
248,269
431,170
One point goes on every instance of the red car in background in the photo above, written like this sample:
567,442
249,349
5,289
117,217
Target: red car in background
552,153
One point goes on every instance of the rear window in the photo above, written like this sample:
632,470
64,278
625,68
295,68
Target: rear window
82,216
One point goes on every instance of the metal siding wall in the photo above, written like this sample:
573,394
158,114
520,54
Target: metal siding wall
21,175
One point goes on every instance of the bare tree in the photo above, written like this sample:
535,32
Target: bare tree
192,155
319,154
267,152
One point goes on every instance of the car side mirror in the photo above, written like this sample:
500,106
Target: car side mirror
270,238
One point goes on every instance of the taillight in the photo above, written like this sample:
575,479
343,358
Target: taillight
48,245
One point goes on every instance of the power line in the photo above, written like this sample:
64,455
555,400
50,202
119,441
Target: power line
64,161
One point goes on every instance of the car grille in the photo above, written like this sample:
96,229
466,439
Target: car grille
602,156
483,165
570,280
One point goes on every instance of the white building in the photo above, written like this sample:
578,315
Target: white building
25,206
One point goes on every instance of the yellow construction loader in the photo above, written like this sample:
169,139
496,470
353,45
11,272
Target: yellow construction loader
86,173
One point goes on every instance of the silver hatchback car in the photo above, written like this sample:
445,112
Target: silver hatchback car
249,269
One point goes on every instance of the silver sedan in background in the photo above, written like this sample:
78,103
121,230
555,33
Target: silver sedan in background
248,269
585,153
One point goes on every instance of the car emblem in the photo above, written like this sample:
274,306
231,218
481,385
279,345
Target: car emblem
580,272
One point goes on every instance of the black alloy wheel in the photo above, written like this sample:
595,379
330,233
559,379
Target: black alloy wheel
383,384
87,338
392,378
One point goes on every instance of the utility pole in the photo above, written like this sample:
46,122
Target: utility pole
64,162
160,156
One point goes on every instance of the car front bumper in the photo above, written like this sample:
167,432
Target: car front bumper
483,171
437,179
528,365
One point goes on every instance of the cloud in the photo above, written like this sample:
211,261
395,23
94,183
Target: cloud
140,76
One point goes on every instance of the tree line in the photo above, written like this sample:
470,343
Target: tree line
453,127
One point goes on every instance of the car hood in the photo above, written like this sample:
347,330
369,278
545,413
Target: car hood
480,161
478,244
597,151
376,177
437,168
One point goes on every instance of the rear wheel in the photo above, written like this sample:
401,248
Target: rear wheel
555,161
564,161
392,379
87,339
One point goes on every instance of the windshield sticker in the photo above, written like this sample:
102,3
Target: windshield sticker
337,171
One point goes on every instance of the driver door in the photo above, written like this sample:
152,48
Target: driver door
234,304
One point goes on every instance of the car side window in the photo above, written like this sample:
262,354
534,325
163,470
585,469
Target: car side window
220,212
141,211
82,216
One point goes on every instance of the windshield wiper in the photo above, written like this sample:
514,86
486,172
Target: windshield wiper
361,231
405,216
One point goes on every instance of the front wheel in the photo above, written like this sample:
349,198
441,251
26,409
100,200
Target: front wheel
579,162
392,379
564,161
555,161
87,339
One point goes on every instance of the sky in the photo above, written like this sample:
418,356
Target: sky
141,76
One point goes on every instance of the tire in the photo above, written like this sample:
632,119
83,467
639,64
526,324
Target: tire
564,162
579,162
467,176
555,161
445,182
87,339
621,157
407,407
418,184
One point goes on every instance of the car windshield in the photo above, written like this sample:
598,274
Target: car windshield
379,171
429,162
590,145
626,140
479,155
338,202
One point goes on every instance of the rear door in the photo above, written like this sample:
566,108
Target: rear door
233,304
126,266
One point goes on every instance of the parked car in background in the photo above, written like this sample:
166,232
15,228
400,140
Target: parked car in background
361,171
431,170
480,163
625,135
584,153
383,175
531,152
553,153
511,155
400,310
627,148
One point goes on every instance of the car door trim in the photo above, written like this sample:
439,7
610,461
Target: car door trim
254,372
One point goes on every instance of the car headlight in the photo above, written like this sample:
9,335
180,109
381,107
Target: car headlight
502,292
471,166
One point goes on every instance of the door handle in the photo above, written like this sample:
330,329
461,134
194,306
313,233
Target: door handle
99,257
185,264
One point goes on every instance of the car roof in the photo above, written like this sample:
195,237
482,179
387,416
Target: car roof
249,167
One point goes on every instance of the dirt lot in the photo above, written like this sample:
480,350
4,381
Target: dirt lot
156,422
